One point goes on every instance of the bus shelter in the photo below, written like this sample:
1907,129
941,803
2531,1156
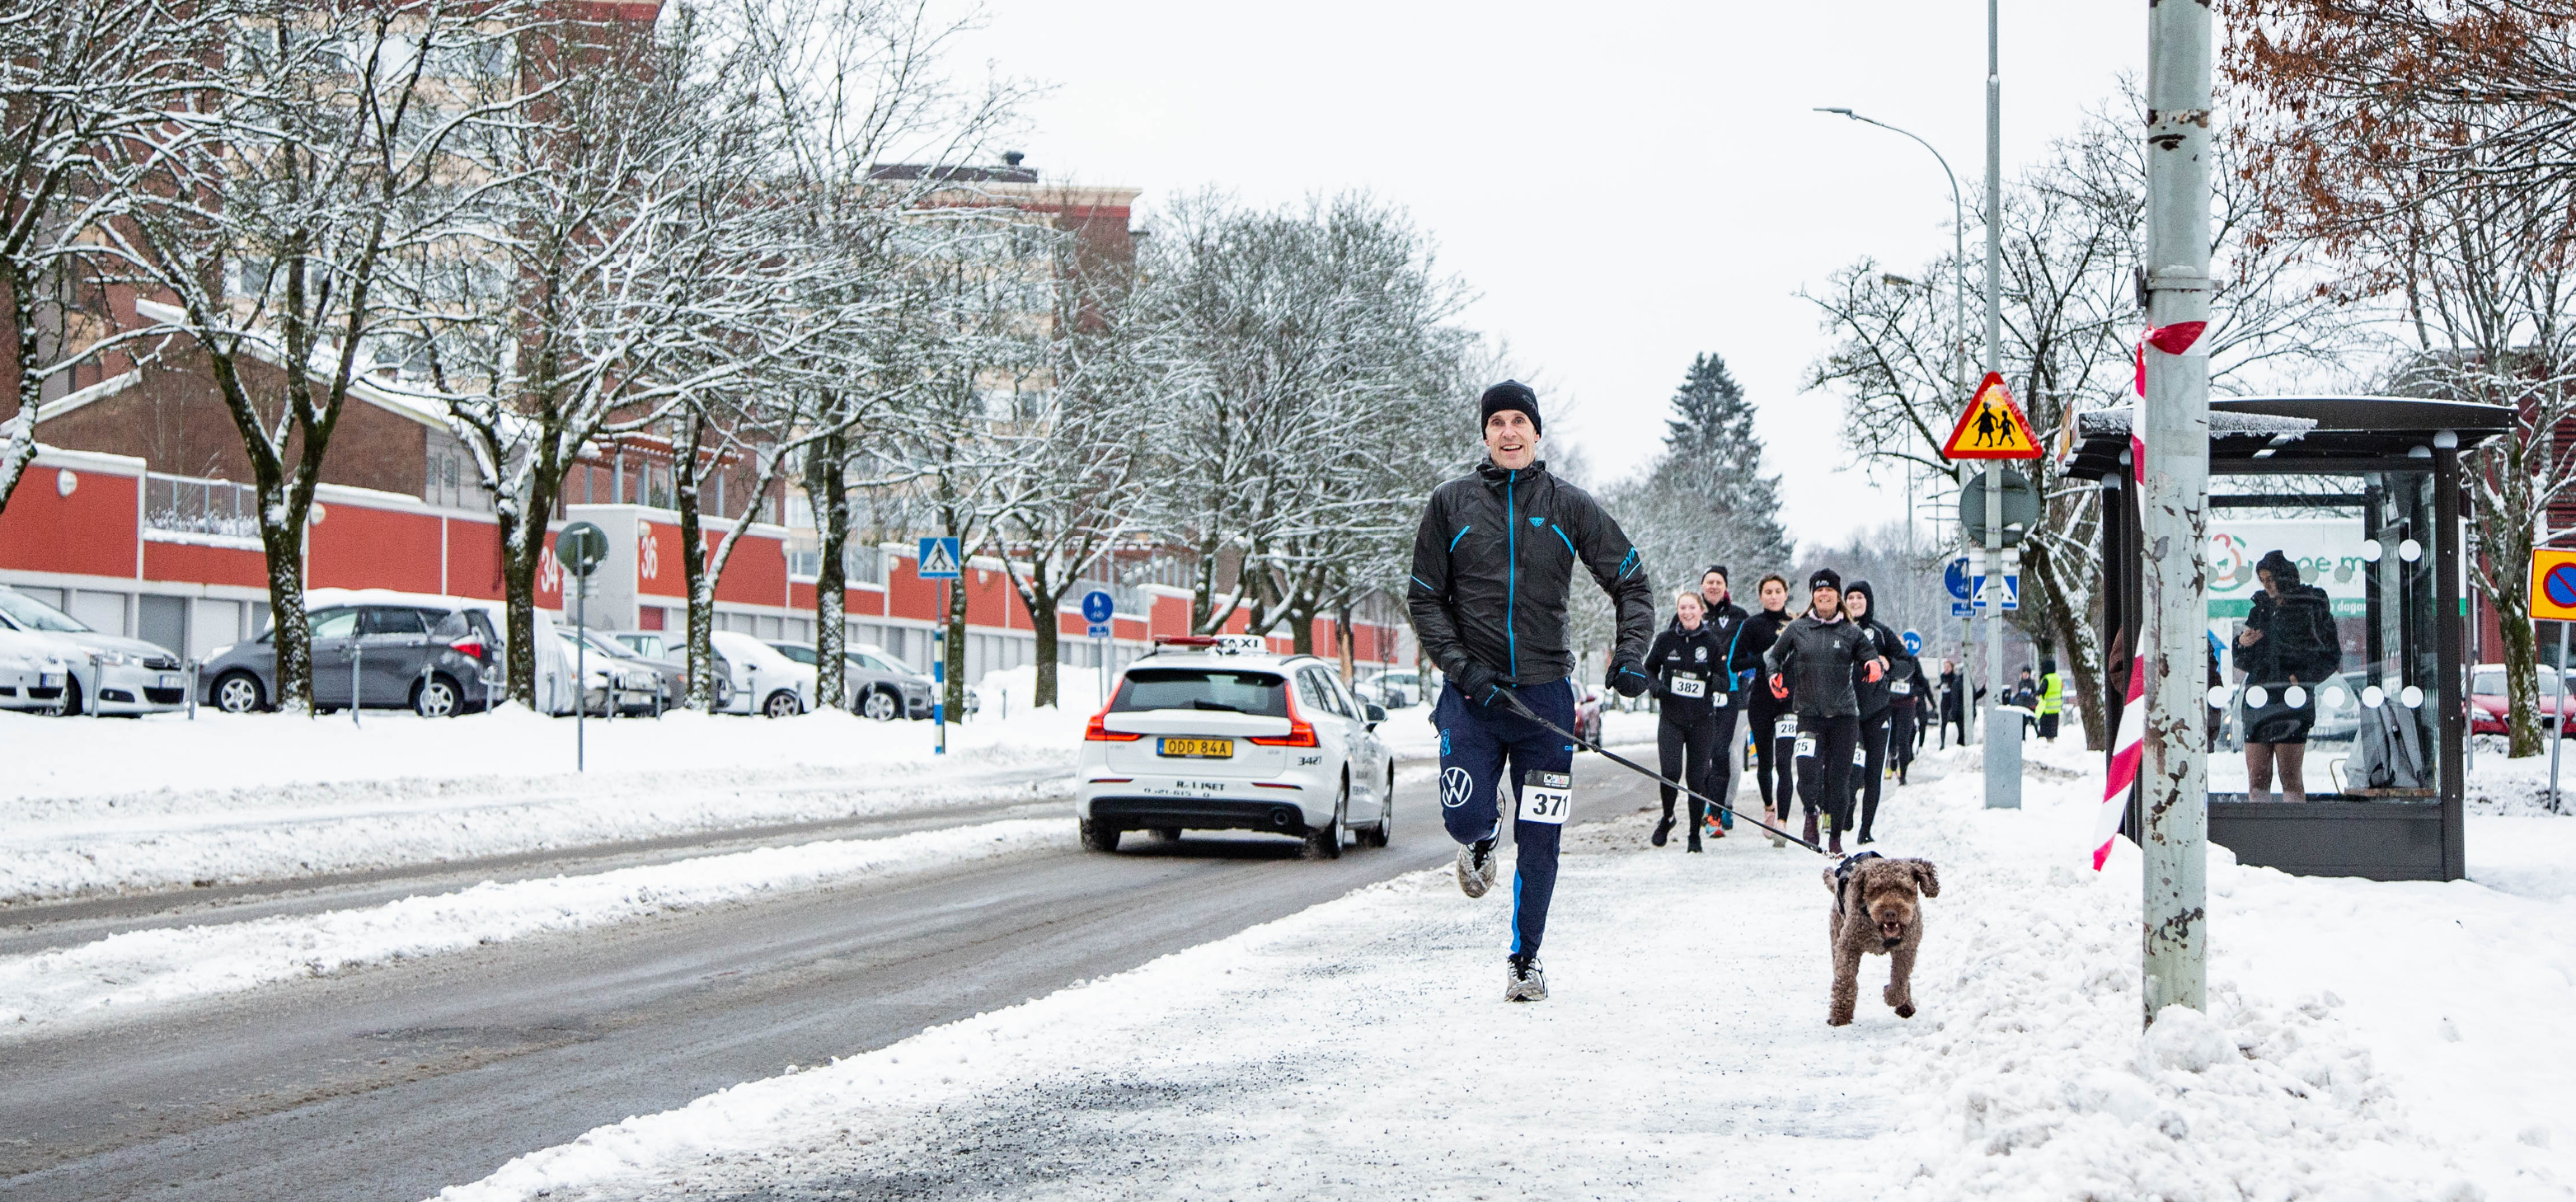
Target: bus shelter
2336,633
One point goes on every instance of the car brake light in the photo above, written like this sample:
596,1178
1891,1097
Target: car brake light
1300,732
1099,732
471,645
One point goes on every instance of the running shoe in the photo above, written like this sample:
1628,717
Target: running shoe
1476,867
1524,980
1664,829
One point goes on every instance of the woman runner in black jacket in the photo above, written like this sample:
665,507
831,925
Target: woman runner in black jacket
1877,697
1726,694
1684,662
1772,764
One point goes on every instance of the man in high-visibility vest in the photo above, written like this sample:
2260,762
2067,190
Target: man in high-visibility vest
2052,698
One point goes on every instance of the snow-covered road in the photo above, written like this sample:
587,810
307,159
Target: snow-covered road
1361,1049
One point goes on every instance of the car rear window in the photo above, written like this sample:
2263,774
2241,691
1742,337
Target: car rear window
1242,692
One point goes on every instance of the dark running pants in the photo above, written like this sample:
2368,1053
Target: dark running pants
1950,719
1773,768
1904,737
1869,764
1825,747
1689,751
1480,748
1723,764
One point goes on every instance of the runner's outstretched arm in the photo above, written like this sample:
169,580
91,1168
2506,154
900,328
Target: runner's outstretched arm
1426,595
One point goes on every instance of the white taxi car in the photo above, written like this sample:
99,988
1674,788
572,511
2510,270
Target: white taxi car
1221,734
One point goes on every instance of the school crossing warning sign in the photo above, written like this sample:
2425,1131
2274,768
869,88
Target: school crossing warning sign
1992,427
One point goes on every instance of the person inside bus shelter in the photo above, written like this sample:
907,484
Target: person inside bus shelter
2287,649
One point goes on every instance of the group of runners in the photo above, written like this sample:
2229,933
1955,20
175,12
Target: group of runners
1830,692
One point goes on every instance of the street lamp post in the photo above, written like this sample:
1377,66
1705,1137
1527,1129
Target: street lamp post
1958,355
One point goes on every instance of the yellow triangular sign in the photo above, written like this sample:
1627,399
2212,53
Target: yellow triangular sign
1992,427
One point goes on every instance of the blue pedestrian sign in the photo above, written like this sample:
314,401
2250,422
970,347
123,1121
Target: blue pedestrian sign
1913,643
938,559
2006,590
1098,606
1955,578
1961,609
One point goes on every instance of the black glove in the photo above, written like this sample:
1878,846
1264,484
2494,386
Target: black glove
1478,683
1629,676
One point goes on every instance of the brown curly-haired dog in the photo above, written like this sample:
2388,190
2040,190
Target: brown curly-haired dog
1876,912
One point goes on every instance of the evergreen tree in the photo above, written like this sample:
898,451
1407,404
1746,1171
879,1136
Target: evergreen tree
1706,499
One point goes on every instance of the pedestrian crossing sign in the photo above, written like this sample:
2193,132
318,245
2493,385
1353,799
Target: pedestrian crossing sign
938,559
1992,427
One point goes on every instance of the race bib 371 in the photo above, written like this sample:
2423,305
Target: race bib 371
1546,797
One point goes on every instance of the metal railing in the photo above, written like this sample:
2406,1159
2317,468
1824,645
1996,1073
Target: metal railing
188,505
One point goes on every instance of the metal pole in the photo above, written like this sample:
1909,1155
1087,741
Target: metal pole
581,669
2002,759
939,673
357,656
2173,500
2558,727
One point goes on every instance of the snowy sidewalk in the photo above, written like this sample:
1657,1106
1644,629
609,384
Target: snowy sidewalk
1360,1048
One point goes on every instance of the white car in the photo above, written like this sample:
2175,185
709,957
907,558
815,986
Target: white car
1219,734
109,673
32,671
764,682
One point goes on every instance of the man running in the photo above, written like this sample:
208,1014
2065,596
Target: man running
1823,648
1493,567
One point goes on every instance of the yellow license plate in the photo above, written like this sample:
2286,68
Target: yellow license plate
1200,749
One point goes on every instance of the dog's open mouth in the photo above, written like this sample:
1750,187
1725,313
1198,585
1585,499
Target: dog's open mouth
1892,933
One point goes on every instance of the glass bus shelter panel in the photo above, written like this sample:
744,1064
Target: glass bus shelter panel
2334,676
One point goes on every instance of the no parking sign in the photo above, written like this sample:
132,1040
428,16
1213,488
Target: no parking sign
2553,585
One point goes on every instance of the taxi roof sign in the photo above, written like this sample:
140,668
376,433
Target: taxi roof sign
1992,426
2553,585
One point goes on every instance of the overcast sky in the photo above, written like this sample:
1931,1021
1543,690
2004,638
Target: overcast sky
1624,185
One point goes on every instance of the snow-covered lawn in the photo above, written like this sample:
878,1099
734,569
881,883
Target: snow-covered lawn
2363,1041
102,806
42,991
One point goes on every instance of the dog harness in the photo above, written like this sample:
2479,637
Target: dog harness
1843,873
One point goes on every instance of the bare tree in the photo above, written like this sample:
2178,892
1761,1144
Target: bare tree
75,76
284,207
2426,153
2072,236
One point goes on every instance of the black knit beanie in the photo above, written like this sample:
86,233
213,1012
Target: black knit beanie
1510,394
1825,578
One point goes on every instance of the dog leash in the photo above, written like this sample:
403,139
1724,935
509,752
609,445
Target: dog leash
1642,770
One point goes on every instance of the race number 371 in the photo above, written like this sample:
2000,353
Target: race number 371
1545,797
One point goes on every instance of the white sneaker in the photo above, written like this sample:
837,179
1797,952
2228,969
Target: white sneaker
1524,980
1476,868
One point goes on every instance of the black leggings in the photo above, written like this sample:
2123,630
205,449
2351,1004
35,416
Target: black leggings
1825,764
1954,718
1727,751
1870,763
1772,762
1904,736
1688,745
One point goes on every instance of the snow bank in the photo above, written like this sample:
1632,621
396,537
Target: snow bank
266,797
56,758
2354,1047
140,968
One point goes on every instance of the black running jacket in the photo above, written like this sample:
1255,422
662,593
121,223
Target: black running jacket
1493,566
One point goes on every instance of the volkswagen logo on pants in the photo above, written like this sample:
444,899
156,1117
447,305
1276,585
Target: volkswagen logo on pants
1455,785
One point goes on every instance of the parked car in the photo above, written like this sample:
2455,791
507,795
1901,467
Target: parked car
874,686
1204,735
2488,707
668,652
111,673
1587,716
436,657
764,681
615,679
1394,690
32,671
